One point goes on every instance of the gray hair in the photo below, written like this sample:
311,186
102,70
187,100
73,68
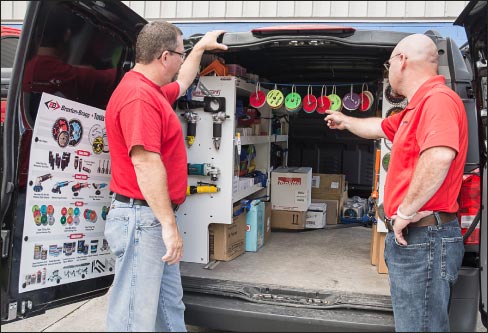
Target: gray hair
155,38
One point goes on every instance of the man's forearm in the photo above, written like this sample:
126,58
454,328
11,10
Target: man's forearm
368,128
152,180
190,68
430,173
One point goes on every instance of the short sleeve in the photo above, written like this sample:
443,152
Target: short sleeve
439,123
171,91
390,124
141,126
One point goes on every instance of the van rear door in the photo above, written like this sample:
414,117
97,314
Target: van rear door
473,18
56,166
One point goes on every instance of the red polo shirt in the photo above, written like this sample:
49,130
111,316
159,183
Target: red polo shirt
434,117
140,113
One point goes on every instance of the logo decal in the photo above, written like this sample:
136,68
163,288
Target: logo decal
294,181
52,105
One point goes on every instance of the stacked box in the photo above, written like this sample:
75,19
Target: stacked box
255,226
227,241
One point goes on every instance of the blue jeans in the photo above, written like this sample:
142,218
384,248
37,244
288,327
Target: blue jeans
421,275
146,293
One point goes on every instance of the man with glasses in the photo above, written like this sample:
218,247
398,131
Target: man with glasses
149,180
424,246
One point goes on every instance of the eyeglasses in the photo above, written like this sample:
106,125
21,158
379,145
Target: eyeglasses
387,63
181,54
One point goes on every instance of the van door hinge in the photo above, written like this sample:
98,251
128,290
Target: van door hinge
5,243
12,311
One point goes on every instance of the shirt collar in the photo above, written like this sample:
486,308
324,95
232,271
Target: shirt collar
424,89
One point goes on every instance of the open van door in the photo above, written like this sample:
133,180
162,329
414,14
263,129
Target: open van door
56,166
473,18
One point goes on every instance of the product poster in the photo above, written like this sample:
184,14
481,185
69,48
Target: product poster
67,197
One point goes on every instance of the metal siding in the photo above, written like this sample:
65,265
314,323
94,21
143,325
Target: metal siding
268,8
285,8
415,9
7,9
321,8
200,8
395,9
168,10
184,9
303,8
276,10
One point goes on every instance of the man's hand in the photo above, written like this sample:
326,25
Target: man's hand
398,226
173,242
335,119
209,41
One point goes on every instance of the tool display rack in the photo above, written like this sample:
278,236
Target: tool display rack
200,210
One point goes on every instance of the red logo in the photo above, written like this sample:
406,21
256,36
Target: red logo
293,181
52,105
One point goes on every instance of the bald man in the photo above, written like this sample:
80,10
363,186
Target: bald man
424,246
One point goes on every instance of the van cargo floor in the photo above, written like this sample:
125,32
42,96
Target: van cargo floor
321,259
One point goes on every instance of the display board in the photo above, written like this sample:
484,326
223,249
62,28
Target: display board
67,197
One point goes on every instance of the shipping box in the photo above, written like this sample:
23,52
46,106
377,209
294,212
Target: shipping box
227,241
316,214
291,188
255,226
328,186
286,219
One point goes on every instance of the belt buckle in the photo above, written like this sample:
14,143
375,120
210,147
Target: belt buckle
389,224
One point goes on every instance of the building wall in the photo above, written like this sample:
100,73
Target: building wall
326,11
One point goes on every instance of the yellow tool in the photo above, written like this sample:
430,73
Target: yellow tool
204,188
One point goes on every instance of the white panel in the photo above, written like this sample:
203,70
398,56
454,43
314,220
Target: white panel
127,3
415,9
286,9
138,7
395,8
200,9
7,8
321,9
358,8
20,8
454,8
152,10
250,9
183,9
233,9
267,8
303,8
339,9
435,8
216,9
168,9
376,8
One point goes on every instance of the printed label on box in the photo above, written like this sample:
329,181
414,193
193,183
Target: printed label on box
300,197
290,181
334,185
316,181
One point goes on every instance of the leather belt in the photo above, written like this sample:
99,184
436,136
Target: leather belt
140,202
425,221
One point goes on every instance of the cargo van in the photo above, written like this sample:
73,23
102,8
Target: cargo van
56,169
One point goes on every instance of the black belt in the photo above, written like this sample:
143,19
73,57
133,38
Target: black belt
425,221
140,202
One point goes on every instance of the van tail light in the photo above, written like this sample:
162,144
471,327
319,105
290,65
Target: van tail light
469,204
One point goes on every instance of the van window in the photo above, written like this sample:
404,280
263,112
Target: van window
72,57
9,46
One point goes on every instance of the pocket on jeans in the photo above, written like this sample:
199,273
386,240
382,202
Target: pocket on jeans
116,230
451,257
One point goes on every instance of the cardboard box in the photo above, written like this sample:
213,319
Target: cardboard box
286,219
267,221
291,188
227,241
255,226
316,213
328,186
332,213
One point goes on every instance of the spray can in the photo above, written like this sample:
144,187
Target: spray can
44,273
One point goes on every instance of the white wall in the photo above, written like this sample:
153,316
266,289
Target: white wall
207,11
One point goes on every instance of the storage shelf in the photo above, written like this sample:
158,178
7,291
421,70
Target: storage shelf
261,139
246,88
242,194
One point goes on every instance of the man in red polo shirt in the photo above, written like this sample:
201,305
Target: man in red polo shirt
424,248
149,180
